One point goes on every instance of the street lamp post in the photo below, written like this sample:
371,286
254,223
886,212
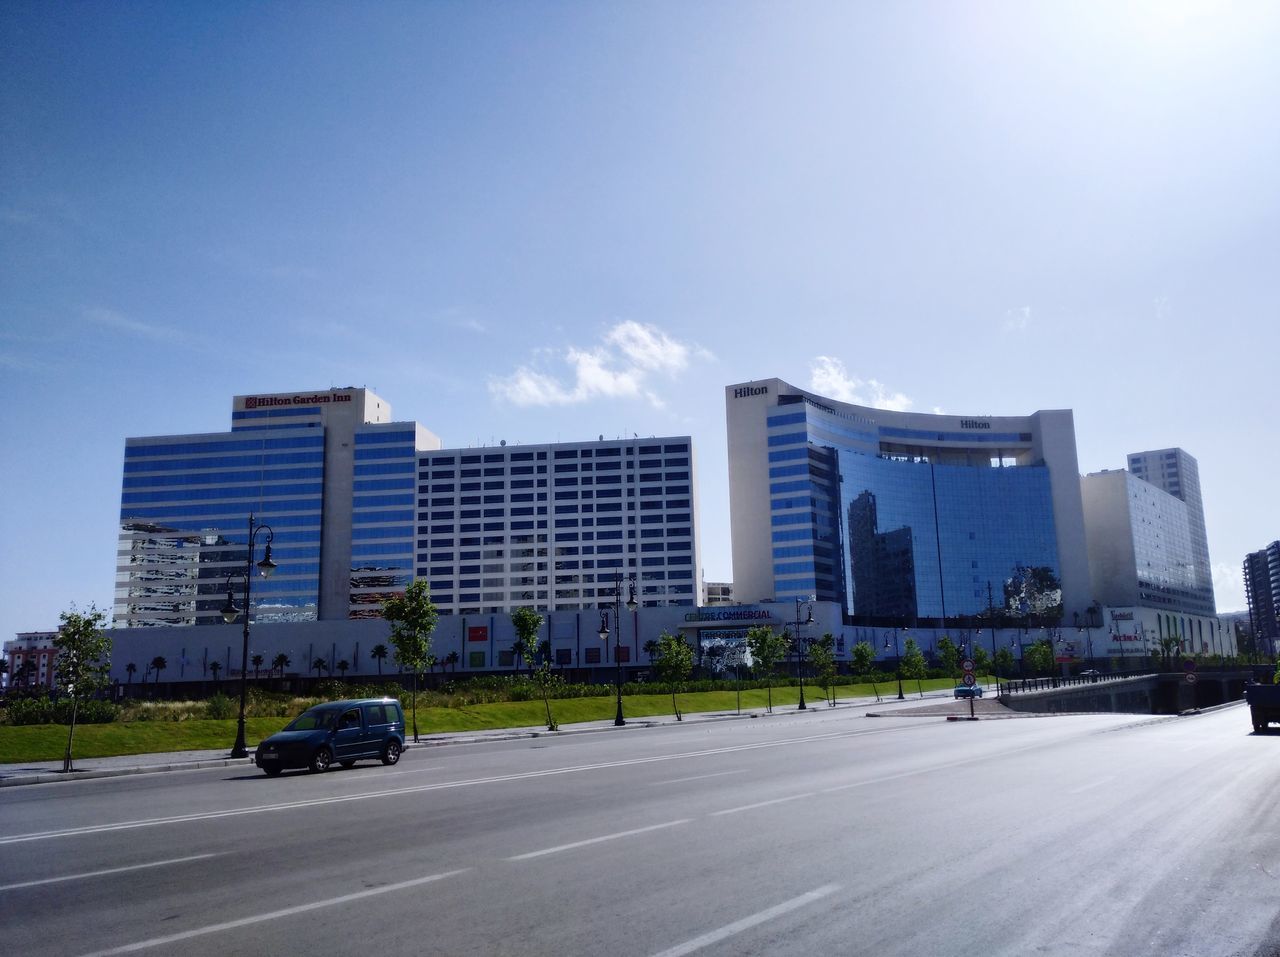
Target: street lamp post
618,720
229,613
800,648
898,654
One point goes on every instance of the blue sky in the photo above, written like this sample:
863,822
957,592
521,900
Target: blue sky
548,221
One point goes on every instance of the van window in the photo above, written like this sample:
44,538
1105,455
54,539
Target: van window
374,714
350,719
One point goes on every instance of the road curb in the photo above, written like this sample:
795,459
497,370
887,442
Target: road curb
89,774
440,741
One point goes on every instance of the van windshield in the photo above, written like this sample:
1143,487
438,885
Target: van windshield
313,720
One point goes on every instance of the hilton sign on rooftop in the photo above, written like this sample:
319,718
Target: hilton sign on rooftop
270,401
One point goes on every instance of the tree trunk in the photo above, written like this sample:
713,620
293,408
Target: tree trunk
71,731
415,705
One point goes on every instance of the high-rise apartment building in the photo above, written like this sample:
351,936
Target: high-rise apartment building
1262,589
554,526
1177,473
903,516
358,505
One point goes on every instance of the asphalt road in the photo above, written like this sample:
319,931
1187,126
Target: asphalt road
826,832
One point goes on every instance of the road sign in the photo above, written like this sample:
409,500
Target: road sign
967,664
969,680
1188,665
1191,677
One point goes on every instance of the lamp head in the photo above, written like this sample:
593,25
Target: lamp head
229,611
266,566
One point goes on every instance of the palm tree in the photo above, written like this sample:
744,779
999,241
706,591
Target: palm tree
319,665
256,661
158,664
215,667
650,648
130,669
379,654
343,665
280,662
451,659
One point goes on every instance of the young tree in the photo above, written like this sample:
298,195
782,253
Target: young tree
158,664
412,617
862,661
526,623
379,654
1004,663
673,663
256,661
767,650
215,667
981,660
822,655
913,663
82,663
1039,656
948,656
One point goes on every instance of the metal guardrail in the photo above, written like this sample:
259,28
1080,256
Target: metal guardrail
1047,684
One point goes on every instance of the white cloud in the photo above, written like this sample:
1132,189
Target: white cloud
1228,587
827,376
1017,320
620,368
111,319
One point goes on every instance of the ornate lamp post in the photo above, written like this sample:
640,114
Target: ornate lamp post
618,720
898,653
229,613
800,645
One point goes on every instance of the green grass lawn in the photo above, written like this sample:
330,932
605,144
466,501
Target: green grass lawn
47,742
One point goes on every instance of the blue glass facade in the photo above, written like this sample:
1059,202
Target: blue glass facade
909,535
382,519
184,512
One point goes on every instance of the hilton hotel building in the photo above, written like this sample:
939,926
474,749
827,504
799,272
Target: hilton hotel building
900,516
359,504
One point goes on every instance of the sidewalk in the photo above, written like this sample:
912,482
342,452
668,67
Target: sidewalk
48,772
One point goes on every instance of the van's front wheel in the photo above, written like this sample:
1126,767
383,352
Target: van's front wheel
391,753
321,760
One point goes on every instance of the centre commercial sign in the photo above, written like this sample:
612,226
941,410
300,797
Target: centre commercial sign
729,613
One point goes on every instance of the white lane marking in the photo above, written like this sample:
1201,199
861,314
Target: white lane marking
738,926
1090,787
696,777
420,788
752,807
274,915
110,870
597,840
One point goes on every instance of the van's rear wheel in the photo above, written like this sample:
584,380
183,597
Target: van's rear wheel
321,760
391,753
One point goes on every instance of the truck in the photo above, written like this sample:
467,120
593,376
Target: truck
1264,705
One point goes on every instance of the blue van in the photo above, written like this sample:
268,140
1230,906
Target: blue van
341,731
